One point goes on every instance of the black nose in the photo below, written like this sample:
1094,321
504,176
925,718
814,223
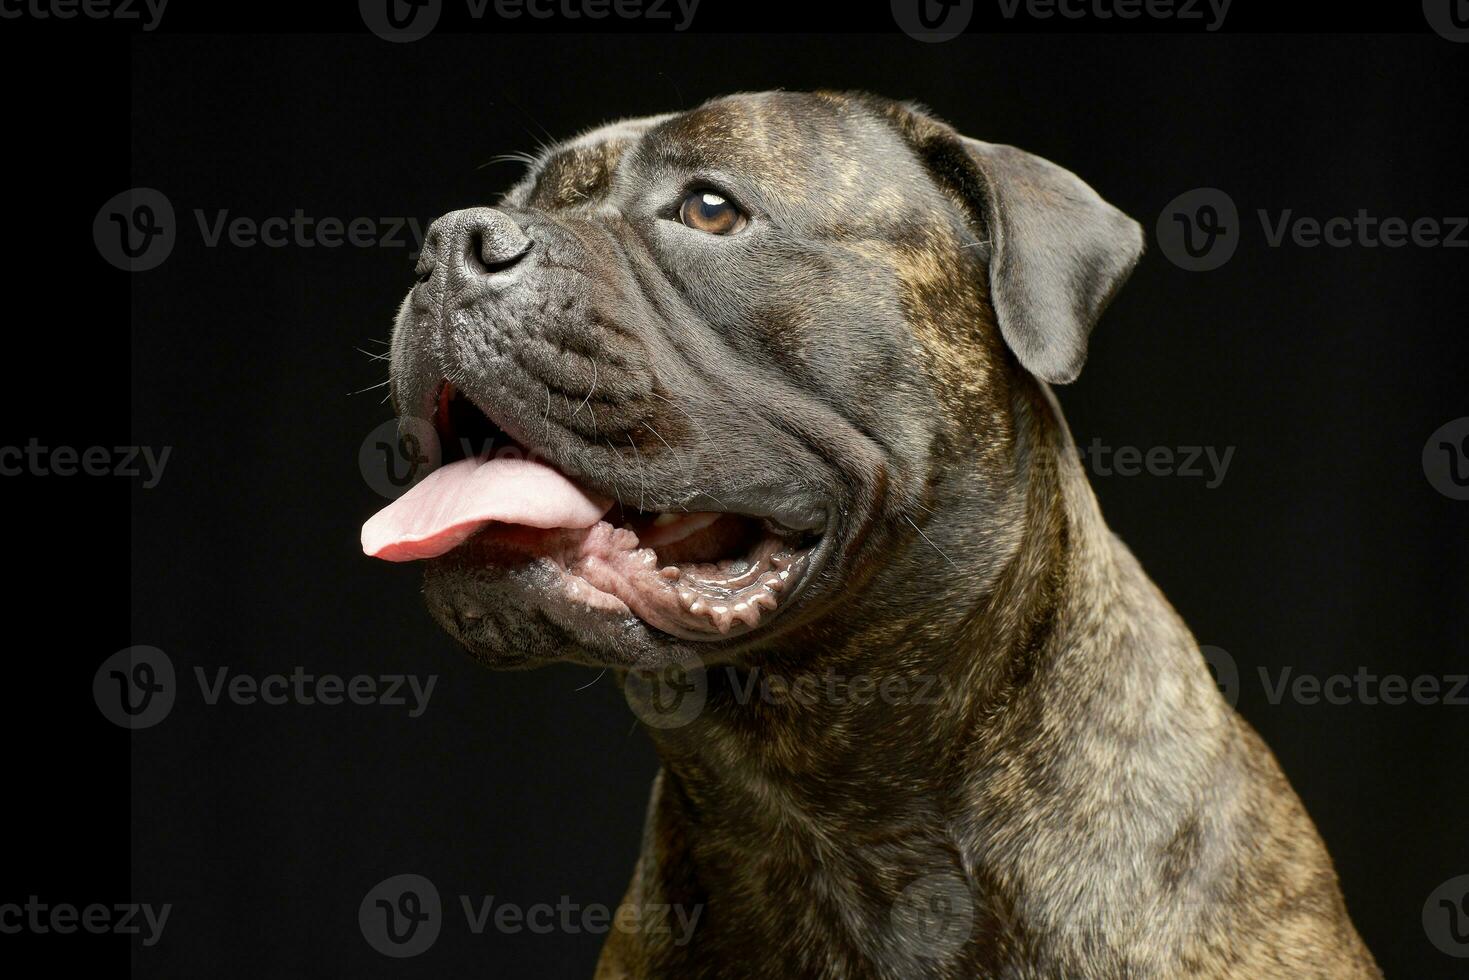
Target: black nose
478,241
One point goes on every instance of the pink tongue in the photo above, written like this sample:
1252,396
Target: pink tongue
455,501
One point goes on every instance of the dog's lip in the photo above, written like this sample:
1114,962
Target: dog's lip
802,516
814,521
567,600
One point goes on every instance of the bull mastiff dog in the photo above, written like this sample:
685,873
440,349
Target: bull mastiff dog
749,405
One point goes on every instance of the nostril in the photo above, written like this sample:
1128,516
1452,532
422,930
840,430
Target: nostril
492,242
489,255
474,243
474,248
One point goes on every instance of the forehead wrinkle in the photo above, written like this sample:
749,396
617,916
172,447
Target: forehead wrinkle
734,132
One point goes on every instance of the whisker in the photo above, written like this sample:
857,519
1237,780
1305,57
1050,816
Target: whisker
703,433
363,391
616,491
543,146
587,400
687,468
676,90
712,497
592,681
524,159
659,436
930,541
642,477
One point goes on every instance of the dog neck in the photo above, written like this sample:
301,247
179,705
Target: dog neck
971,750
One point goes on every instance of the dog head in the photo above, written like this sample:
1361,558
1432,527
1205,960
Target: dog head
703,383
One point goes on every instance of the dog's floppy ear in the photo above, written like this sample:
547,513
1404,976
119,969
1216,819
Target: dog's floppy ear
1057,251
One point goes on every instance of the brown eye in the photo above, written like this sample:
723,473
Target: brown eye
710,212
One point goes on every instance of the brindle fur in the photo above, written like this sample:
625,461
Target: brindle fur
1072,764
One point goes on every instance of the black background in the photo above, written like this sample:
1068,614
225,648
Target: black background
1324,548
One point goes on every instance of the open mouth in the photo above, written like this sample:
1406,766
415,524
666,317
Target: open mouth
692,574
